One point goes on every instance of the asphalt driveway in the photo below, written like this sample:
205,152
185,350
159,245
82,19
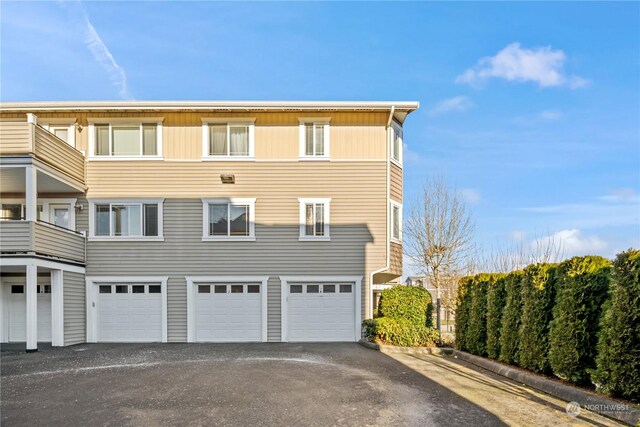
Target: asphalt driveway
252,384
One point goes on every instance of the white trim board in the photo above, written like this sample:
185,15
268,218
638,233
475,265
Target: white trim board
192,281
284,293
91,297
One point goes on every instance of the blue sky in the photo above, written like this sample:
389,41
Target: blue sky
532,109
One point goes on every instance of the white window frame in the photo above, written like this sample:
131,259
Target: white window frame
251,202
110,202
303,219
394,204
69,123
303,121
230,122
128,121
396,127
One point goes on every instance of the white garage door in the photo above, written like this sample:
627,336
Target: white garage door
129,313
18,313
321,312
228,312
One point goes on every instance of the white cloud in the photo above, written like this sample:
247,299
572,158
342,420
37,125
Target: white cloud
573,243
411,156
457,103
541,65
470,195
544,116
549,115
99,49
621,195
518,235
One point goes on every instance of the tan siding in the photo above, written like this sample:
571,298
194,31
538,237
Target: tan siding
396,182
59,154
395,258
75,311
353,135
15,138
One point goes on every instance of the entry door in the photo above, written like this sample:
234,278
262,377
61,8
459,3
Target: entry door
59,215
17,302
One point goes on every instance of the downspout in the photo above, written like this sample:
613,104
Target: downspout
386,267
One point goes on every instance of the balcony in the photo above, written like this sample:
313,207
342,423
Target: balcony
22,138
19,237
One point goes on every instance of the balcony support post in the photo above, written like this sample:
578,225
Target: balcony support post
31,193
32,307
57,308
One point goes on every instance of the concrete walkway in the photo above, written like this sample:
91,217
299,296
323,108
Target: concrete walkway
513,403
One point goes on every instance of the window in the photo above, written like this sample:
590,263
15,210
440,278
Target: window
126,219
220,289
105,289
61,132
228,219
204,289
253,289
345,289
237,289
313,289
65,129
18,211
396,221
228,139
314,219
395,139
295,289
329,289
17,289
314,138
130,138
46,289
122,289
155,289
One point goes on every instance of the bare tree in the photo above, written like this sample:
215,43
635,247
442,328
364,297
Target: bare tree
438,236
507,258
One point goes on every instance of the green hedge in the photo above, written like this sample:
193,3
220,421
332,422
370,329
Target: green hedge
463,308
538,296
510,329
477,331
496,295
400,332
407,302
583,284
618,361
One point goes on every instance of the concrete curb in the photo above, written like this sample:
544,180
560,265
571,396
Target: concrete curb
438,351
591,401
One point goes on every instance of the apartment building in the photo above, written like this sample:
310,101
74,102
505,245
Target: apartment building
197,221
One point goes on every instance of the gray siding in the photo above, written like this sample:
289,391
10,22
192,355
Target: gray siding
75,312
275,252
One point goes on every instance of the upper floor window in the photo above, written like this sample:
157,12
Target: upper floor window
228,139
395,140
126,138
126,219
228,219
314,219
396,222
314,138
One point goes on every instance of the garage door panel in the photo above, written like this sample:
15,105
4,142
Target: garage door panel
320,312
129,317
229,316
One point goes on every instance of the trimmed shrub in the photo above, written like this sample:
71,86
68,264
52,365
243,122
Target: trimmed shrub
463,308
538,295
496,296
511,316
618,361
583,284
407,302
400,332
477,331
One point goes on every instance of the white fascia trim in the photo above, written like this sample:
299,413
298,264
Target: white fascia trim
398,205
251,202
191,298
302,137
53,265
284,296
92,121
303,219
91,298
248,121
92,219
